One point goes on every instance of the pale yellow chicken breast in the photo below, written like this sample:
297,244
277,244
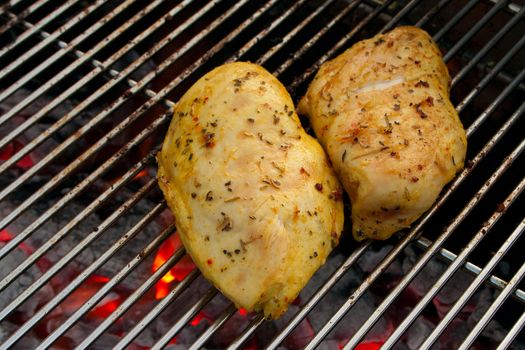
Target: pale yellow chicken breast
382,112
256,203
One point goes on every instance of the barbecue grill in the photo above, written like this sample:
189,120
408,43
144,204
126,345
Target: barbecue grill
88,251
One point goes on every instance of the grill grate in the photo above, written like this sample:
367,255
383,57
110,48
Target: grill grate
87,87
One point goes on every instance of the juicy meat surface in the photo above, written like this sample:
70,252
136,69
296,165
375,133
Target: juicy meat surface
382,112
256,203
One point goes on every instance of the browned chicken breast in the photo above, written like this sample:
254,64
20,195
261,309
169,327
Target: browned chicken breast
382,112
256,203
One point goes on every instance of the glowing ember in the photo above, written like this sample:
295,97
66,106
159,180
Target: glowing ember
365,346
141,174
103,309
42,263
201,316
243,312
176,273
7,152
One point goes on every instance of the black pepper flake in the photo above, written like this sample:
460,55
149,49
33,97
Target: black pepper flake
228,183
251,120
395,96
226,224
430,101
207,238
290,113
315,254
414,179
237,251
276,119
209,196
343,156
379,41
396,107
419,111
191,156
283,132
422,83
193,195
214,124
319,187
453,161
252,217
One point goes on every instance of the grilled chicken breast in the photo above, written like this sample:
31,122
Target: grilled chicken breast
256,203
382,112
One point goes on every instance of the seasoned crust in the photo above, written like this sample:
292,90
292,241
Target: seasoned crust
382,112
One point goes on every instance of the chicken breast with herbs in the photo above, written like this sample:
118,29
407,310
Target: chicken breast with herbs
256,203
382,112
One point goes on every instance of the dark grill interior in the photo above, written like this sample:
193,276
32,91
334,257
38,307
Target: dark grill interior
87,249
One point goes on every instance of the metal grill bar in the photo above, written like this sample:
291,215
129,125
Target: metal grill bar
70,68
432,249
308,72
22,59
216,325
475,60
44,248
63,294
484,82
250,329
146,320
269,53
199,62
454,20
124,124
477,282
55,57
475,28
76,250
318,295
247,332
505,293
387,260
234,57
416,311
293,323
475,270
513,333
185,319
433,11
15,19
93,97
76,190
314,39
459,259
46,20
97,297
408,7
157,275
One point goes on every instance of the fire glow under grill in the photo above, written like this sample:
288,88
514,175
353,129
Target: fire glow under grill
89,255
